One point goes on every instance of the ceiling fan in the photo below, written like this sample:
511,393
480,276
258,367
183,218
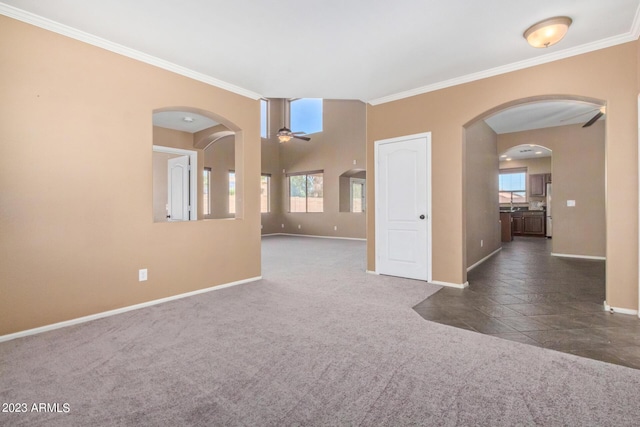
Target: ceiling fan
600,112
285,135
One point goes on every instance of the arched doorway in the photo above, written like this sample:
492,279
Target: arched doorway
573,129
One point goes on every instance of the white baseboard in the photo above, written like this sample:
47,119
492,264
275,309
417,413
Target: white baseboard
315,237
484,259
607,307
91,317
435,282
450,285
601,258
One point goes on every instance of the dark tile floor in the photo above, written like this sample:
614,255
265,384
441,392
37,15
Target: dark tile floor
524,294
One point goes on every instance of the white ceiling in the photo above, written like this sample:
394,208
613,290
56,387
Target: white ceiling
176,120
539,115
520,152
372,50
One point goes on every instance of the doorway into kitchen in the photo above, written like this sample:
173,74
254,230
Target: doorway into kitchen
525,190
555,145
530,288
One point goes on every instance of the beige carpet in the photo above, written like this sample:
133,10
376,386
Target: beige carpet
317,342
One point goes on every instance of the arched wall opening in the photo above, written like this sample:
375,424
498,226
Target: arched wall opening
576,171
216,188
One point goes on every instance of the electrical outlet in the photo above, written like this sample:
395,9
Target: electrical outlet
481,243
354,162
282,225
261,226
299,226
142,275
335,228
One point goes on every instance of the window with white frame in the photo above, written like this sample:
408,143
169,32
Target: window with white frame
358,193
232,192
512,185
265,193
306,192
264,118
206,191
305,115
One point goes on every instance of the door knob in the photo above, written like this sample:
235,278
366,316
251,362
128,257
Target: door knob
421,216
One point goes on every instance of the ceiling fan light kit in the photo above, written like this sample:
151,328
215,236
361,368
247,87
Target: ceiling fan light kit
285,135
548,32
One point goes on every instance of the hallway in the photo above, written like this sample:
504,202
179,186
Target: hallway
524,294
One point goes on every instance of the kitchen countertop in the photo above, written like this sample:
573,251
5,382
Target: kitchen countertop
521,210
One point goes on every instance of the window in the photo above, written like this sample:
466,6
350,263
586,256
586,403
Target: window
265,193
512,185
232,192
206,191
306,115
264,118
357,195
306,192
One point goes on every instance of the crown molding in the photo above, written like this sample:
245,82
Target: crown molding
56,27
82,36
630,36
635,27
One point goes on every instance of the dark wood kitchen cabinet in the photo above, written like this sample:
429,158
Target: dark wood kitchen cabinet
537,185
528,223
533,223
516,218
506,232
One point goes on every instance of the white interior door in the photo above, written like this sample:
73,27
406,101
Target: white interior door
403,215
178,189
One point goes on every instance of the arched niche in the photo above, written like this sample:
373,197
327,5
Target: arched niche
211,189
352,190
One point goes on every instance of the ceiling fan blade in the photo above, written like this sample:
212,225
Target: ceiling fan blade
579,115
298,133
304,138
593,119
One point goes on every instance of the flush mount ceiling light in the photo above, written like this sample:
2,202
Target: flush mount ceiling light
548,32
187,119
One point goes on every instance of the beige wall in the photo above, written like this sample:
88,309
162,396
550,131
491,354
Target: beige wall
271,222
77,228
578,173
482,211
609,74
334,151
534,166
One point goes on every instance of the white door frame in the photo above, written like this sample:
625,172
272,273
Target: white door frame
377,144
193,176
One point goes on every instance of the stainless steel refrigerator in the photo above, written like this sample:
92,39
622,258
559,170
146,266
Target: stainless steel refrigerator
549,226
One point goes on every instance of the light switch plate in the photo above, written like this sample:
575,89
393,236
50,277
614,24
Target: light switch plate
571,203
